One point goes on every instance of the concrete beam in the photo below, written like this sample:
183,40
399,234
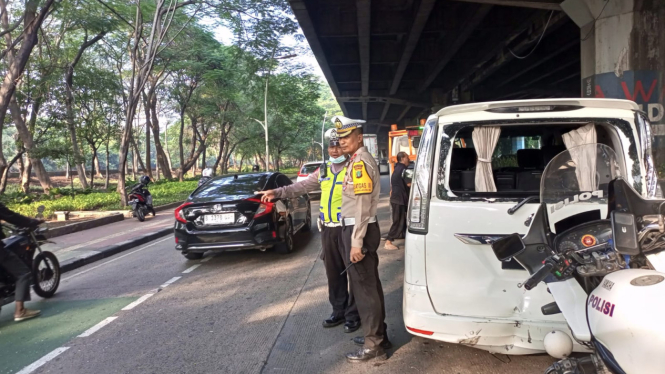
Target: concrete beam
502,53
386,107
540,61
462,37
364,13
404,112
365,110
535,4
419,22
300,11
551,72
374,99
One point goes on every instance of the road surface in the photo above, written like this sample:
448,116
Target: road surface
148,310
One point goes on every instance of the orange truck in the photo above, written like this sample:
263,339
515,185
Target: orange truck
407,140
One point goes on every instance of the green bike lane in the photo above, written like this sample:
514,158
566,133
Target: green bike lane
85,297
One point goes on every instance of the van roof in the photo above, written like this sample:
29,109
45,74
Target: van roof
587,103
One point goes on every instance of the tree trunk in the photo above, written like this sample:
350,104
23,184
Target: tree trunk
17,60
139,160
180,145
94,167
5,173
26,138
98,168
67,170
242,158
166,151
148,126
106,182
25,177
162,161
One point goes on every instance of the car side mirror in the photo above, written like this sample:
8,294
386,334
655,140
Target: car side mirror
508,247
407,175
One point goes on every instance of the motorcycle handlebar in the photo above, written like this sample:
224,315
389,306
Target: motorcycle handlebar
538,276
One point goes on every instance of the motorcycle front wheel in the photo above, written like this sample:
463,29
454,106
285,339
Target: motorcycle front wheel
140,214
46,274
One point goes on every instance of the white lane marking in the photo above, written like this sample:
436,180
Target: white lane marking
82,245
117,258
97,327
206,259
170,281
137,302
37,364
191,269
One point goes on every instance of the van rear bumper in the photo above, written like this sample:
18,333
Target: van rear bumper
511,337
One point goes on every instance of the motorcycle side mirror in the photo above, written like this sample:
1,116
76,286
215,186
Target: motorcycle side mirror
508,247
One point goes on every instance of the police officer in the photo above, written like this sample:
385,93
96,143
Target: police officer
328,178
361,237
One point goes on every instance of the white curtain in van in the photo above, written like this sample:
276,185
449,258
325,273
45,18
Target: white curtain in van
584,158
484,141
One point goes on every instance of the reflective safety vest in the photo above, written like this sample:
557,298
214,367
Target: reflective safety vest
331,195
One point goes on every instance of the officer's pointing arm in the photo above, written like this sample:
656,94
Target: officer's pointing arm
300,188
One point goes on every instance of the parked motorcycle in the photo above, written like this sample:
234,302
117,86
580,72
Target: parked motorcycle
599,247
140,199
25,243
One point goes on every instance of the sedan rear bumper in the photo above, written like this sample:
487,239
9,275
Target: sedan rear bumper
255,236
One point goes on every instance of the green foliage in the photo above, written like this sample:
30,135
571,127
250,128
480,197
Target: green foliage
64,199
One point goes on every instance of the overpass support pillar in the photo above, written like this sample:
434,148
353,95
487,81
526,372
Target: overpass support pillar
623,55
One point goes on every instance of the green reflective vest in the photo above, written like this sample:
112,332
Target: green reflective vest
331,195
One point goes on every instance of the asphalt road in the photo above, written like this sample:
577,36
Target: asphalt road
148,310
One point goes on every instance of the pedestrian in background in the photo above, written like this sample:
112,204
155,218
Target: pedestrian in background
399,197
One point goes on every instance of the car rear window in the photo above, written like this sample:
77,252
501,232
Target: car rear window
309,169
243,185
518,160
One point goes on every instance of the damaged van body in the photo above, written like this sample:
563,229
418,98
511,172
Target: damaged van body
477,179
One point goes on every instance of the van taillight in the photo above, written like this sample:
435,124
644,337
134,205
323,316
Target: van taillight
264,207
422,181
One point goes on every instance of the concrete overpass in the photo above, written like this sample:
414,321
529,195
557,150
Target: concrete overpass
395,61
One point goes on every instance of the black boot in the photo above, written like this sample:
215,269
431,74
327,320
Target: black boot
351,326
152,210
333,321
365,354
385,344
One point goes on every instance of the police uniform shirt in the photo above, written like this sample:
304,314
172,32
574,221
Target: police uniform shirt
360,197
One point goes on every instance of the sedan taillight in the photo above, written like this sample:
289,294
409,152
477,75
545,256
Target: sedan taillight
179,215
264,207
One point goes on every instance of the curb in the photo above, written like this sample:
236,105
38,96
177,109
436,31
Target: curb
80,226
77,262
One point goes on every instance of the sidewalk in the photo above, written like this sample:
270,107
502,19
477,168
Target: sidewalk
83,247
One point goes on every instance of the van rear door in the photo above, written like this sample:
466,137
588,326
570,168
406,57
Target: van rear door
464,277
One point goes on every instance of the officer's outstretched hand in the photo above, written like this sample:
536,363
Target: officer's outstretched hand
356,254
267,195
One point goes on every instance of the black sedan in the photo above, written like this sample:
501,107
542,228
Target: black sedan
226,213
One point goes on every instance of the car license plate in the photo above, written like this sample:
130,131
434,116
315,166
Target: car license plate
219,219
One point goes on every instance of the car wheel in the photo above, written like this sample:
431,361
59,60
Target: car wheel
193,255
287,245
308,220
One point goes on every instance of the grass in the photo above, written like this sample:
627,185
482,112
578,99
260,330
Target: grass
65,199
77,199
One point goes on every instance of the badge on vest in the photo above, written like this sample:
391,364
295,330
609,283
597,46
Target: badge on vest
362,183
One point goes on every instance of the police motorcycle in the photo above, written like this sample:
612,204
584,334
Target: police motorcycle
140,199
599,248
25,243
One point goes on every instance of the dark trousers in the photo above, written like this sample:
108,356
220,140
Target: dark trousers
398,228
333,257
366,285
19,271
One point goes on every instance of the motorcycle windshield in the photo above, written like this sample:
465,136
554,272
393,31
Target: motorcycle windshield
577,181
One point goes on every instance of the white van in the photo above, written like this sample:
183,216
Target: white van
476,164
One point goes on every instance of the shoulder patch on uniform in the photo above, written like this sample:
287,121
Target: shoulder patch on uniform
362,183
